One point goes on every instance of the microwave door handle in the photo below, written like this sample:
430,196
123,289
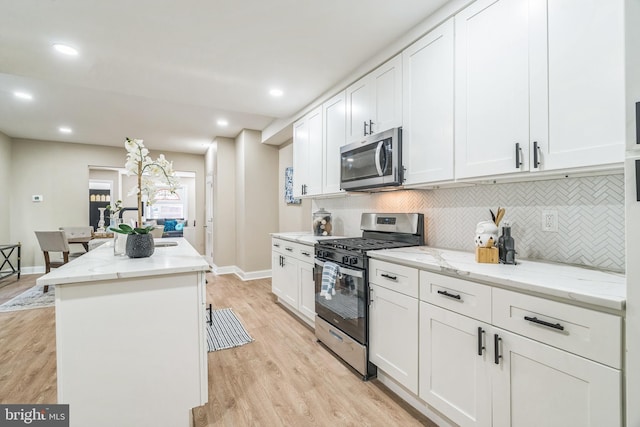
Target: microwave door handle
378,151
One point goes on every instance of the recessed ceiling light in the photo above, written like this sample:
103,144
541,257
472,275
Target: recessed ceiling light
23,95
67,50
222,122
64,129
276,92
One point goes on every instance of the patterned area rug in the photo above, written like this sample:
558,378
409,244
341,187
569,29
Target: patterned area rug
226,331
32,298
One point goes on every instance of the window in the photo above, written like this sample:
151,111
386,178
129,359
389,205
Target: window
169,205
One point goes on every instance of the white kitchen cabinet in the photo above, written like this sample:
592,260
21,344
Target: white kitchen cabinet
308,154
455,369
539,86
427,134
292,279
537,385
586,94
532,362
334,136
284,280
393,321
307,286
492,88
374,103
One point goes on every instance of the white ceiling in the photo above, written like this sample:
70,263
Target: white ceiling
166,71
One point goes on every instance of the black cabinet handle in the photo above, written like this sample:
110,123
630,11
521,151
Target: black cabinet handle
557,326
496,345
306,253
289,249
518,155
386,276
370,127
480,346
447,294
277,245
365,129
536,156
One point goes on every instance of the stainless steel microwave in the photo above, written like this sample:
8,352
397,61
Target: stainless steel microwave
373,163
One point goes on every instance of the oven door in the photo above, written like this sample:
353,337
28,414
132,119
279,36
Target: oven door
347,308
372,163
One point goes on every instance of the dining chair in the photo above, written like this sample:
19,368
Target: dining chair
85,232
54,241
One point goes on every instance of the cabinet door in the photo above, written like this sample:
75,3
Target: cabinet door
307,290
359,97
537,385
300,155
284,281
334,135
454,378
393,335
314,161
387,96
586,92
277,274
427,134
492,88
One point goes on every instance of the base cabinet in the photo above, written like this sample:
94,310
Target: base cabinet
292,277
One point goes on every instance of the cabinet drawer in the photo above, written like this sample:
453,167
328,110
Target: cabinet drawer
277,245
304,252
395,277
588,333
462,296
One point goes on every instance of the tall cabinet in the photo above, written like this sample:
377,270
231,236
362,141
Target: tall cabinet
308,154
427,135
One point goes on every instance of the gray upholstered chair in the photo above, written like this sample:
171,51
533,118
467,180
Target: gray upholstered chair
54,241
75,232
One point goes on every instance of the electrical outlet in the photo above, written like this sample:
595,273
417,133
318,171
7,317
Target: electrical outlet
550,221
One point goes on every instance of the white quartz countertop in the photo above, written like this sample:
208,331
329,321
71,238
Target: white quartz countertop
304,237
589,286
102,264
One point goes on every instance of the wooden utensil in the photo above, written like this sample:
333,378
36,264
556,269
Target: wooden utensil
499,216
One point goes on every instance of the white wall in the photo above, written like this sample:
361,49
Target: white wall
60,173
5,188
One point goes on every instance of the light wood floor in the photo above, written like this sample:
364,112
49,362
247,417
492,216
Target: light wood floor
283,378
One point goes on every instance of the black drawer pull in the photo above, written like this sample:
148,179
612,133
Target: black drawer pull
386,276
447,294
306,254
289,249
557,326
496,346
480,346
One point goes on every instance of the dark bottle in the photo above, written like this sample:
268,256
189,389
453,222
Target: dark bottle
507,254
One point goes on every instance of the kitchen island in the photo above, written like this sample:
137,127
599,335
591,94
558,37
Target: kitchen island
130,336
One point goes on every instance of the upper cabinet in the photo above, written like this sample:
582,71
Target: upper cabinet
427,135
540,90
308,154
374,103
334,137
492,88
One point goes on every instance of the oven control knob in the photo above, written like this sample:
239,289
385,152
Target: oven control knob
353,260
345,259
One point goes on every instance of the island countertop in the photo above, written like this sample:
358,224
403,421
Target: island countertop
102,264
568,282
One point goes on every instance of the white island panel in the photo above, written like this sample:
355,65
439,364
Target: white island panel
131,348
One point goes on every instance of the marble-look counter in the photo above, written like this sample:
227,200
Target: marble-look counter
305,238
101,264
583,285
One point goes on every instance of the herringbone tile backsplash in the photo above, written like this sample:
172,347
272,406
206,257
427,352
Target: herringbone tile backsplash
590,216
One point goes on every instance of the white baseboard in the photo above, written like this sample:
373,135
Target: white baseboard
242,275
413,400
32,270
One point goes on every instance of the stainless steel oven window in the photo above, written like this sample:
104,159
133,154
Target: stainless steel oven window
346,309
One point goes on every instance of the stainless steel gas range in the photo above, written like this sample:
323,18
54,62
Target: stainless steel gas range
342,313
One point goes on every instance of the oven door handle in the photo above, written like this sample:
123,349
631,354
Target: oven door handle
348,271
